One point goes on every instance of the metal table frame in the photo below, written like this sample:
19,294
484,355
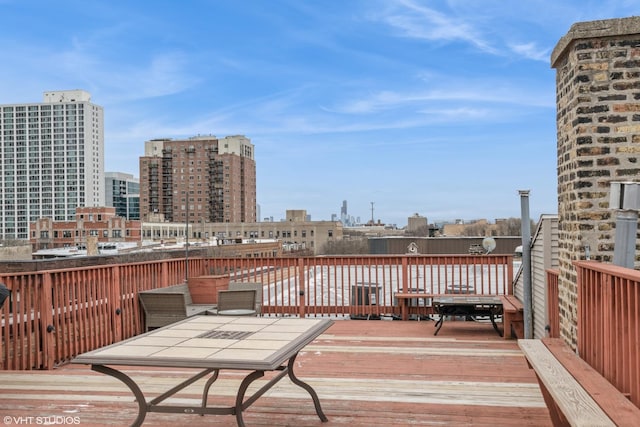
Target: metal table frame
283,362
478,305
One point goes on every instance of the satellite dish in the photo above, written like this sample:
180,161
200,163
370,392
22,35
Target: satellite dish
489,244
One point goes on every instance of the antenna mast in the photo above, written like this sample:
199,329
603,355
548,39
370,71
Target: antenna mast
372,220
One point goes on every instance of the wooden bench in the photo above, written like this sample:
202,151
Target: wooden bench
404,299
164,306
512,317
574,392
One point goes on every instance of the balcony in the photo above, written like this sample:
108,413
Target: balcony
366,372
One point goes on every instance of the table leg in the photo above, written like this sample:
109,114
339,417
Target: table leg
142,403
493,322
439,324
152,405
207,386
312,392
240,404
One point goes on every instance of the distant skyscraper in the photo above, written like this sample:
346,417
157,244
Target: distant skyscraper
52,160
218,174
122,191
344,215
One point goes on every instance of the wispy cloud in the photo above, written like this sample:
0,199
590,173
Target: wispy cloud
162,74
477,92
414,20
466,24
531,51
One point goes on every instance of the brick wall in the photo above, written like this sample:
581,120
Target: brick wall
598,124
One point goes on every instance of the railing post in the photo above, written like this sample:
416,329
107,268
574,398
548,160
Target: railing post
509,264
164,272
47,330
553,304
581,305
608,309
405,274
115,299
302,287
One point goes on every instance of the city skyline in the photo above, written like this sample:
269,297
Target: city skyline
444,109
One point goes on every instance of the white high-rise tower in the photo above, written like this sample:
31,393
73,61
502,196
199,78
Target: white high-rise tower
51,160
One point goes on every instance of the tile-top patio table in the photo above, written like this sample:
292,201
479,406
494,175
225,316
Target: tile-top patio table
468,305
212,343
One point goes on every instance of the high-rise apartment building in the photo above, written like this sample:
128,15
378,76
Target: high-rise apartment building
51,160
217,174
122,191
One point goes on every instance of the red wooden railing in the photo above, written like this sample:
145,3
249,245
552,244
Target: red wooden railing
609,323
365,285
54,315
553,304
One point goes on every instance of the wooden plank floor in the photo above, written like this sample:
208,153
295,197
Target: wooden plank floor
367,373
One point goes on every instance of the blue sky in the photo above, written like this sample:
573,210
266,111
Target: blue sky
441,108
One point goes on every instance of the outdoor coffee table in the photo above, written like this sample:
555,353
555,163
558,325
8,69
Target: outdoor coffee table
476,305
212,343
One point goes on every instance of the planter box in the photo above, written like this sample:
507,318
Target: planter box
204,289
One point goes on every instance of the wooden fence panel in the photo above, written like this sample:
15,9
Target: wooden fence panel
553,304
609,323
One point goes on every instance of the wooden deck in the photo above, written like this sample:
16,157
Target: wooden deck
367,373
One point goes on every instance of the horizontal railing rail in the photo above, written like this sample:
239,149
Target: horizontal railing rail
54,315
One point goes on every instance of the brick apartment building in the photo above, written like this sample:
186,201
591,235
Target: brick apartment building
218,174
99,223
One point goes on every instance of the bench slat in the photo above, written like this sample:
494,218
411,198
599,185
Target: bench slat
403,299
575,403
620,409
